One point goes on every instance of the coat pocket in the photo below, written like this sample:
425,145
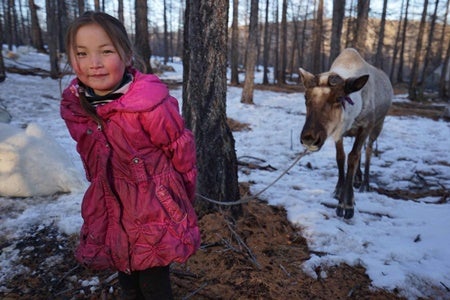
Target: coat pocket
170,206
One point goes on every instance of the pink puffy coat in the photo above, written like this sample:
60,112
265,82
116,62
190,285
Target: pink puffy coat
141,166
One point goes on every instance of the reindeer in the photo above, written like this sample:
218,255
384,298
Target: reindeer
351,99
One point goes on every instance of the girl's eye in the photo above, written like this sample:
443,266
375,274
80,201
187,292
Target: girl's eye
108,51
81,54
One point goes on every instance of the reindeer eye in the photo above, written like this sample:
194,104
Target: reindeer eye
334,80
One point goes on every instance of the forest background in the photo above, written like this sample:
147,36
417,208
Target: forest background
408,39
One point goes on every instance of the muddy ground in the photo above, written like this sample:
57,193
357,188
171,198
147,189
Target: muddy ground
257,256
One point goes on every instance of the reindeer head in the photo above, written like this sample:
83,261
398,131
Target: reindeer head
326,95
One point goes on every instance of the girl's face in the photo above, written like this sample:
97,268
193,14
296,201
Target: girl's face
95,60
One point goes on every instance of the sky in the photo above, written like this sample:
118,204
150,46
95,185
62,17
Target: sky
403,244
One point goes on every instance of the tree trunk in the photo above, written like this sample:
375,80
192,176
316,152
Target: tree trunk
2,64
249,83
81,7
36,32
120,11
281,76
362,21
397,39
51,9
266,46
166,34
317,40
204,101
403,45
444,82
277,42
234,56
336,29
379,54
302,47
63,24
141,39
426,70
415,92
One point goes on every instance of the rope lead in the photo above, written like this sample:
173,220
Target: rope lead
249,198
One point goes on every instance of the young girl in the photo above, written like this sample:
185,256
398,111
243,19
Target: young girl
139,158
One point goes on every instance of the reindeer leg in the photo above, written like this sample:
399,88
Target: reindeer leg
346,201
340,160
365,182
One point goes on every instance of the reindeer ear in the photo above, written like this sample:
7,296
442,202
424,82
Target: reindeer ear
308,79
354,84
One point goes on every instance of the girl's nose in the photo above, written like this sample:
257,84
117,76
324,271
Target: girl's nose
96,62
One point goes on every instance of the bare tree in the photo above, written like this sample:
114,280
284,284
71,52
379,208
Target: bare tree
429,48
444,83
266,47
317,40
166,34
441,44
63,23
252,45
349,23
142,43
281,75
336,29
234,56
403,45
2,64
396,42
362,21
379,54
81,7
414,91
277,40
120,11
36,32
204,100
52,11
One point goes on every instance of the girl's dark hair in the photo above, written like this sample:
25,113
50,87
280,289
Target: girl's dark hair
119,38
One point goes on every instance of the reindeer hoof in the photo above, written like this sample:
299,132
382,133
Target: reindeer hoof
349,212
339,211
346,213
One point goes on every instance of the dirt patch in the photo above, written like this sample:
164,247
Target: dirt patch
258,256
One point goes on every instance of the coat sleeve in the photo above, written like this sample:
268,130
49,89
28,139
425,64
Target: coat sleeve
77,122
168,132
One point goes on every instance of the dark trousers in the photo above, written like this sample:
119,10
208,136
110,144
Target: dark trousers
150,284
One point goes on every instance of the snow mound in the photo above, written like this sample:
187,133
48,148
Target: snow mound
33,164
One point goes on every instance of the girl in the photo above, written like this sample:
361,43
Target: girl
139,158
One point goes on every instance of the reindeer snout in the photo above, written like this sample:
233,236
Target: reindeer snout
311,140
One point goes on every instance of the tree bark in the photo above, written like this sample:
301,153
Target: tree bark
362,21
234,56
379,52
266,47
317,40
403,45
415,92
51,8
142,40
249,83
36,32
336,29
204,101
281,76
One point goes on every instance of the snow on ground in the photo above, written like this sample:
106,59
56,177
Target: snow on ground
404,245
